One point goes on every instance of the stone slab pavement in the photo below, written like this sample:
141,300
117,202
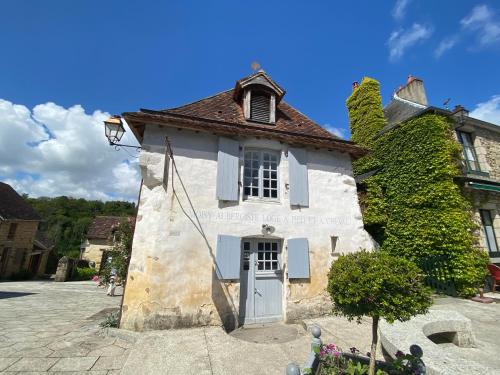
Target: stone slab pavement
485,320
53,328
210,350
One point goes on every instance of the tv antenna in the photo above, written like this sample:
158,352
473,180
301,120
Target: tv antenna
445,103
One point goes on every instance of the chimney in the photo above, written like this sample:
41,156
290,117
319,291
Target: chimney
413,91
460,108
355,85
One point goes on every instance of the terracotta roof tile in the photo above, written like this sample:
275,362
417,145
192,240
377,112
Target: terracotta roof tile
103,226
13,206
223,107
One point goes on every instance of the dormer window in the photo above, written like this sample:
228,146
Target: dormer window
259,97
260,106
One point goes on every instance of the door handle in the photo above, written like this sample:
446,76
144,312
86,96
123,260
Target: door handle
257,291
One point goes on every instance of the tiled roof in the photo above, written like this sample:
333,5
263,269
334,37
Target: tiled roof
223,114
223,107
103,226
13,206
42,242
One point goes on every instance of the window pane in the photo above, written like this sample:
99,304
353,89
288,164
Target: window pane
274,175
260,246
274,246
246,246
268,266
274,194
275,265
266,193
275,256
489,231
266,174
266,183
274,184
255,192
267,246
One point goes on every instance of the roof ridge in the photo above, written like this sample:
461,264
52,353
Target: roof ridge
196,101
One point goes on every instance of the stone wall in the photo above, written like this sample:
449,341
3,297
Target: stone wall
93,251
15,252
487,147
171,280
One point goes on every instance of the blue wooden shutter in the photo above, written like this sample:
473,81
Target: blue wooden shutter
298,258
299,186
228,257
227,169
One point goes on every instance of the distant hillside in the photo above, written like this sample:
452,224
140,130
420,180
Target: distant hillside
66,220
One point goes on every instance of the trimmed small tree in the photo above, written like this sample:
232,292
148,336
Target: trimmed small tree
377,285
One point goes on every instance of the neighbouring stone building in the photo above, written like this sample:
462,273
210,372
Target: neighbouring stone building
101,239
245,203
480,141
22,246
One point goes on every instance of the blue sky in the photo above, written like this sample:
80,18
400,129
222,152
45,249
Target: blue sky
116,56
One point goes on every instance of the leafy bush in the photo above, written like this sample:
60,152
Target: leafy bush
81,274
21,275
120,254
377,285
111,320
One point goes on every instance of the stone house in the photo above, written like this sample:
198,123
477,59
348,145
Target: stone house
100,239
22,246
480,141
245,203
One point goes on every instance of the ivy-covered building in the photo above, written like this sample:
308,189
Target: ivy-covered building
430,189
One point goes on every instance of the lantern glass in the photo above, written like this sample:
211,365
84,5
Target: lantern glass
114,130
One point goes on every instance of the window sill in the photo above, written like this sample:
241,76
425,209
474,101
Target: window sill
261,200
477,173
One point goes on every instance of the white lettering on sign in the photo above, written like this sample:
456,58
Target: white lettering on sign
255,218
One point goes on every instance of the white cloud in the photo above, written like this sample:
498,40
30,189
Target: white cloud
52,150
401,40
488,111
399,10
445,45
339,132
482,21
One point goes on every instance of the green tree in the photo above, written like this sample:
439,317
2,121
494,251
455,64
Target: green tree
377,285
121,252
65,220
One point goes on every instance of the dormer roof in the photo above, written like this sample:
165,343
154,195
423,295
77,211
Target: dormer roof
261,79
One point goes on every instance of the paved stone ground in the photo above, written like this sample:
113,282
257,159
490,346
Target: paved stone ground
52,328
210,350
485,319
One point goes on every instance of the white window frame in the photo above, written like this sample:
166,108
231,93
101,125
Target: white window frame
261,197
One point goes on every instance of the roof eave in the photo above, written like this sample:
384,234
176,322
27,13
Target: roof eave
146,117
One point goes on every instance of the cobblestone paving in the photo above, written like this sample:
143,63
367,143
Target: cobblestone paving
53,328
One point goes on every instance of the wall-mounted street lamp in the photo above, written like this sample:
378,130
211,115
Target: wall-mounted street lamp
114,130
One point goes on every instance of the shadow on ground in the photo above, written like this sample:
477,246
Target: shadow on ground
13,294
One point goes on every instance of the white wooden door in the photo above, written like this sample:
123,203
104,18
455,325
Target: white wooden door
261,281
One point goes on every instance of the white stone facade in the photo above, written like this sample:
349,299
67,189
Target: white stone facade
171,279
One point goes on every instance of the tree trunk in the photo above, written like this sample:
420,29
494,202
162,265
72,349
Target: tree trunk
373,351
